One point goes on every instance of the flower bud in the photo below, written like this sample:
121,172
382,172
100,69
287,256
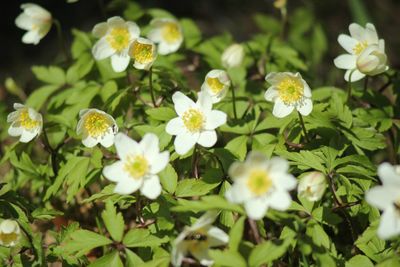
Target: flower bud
232,56
372,60
279,4
9,233
312,186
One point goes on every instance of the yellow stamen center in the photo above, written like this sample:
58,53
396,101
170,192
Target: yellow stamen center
26,121
197,241
96,124
360,47
215,85
259,182
193,119
8,238
290,90
142,53
171,32
137,166
118,38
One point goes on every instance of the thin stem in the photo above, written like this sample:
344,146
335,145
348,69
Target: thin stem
366,84
195,171
283,22
234,101
304,127
254,230
153,99
349,88
336,199
61,39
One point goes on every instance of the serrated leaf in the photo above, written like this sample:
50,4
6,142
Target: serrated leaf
142,238
113,221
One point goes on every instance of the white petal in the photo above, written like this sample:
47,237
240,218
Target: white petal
100,29
165,48
256,208
151,187
128,186
102,49
108,139
271,94
24,22
207,138
204,221
204,102
307,89
370,34
126,146
27,136
182,102
280,200
178,253
12,116
389,225
284,181
15,131
119,63
159,162
215,118
34,10
382,197
175,126
217,237
89,141
18,106
355,76
347,43
306,107
31,37
133,29
281,109
202,256
356,31
149,146
346,61
238,193
184,142
115,172
388,175
155,35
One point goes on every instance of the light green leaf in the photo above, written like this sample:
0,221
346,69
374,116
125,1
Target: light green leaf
113,221
142,238
110,259
169,179
52,74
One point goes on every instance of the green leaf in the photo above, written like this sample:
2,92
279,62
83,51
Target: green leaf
52,74
161,113
142,238
40,96
191,33
132,260
268,251
169,179
82,241
359,260
207,203
194,187
238,147
113,221
227,258
110,259
236,234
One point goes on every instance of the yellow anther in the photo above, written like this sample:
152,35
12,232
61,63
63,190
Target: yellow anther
142,53
360,47
259,182
118,38
96,124
193,119
290,90
137,166
26,121
171,32
215,85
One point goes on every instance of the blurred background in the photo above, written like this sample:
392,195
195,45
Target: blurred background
213,17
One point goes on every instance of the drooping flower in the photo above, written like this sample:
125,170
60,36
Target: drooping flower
289,91
216,84
232,56
25,122
312,186
138,166
167,33
198,239
280,4
96,126
261,184
386,197
196,122
9,233
143,52
36,20
366,52
116,36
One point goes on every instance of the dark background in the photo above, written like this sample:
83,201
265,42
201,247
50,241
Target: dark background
212,16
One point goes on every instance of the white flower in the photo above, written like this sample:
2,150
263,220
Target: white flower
167,33
197,239
96,126
289,91
9,233
143,52
138,165
312,186
386,197
359,40
25,122
232,56
36,20
196,122
260,183
216,84
116,35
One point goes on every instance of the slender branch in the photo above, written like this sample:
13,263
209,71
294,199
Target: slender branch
195,170
303,127
153,99
234,101
336,199
349,88
254,230
386,85
61,39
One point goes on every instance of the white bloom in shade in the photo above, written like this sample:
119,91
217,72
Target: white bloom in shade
196,122
167,33
216,84
138,166
96,126
312,186
355,62
197,239
289,91
261,184
116,36
25,122
386,197
143,52
9,233
36,20
232,56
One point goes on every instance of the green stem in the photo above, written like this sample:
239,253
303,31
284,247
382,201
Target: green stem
195,171
234,101
283,22
349,88
304,127
153,99
366,84
61,39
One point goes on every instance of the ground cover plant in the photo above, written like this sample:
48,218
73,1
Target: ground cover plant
148,143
